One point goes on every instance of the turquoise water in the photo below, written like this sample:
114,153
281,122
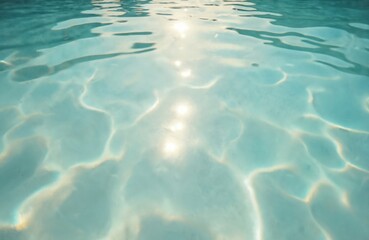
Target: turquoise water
184,120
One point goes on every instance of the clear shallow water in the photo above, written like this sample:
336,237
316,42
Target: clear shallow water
157,120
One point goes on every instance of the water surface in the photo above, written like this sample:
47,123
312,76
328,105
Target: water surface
184,119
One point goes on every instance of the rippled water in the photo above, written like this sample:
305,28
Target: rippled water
184,119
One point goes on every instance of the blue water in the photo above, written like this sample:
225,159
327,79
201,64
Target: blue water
184,120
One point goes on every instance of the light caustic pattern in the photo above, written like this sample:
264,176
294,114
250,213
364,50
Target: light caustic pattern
162,120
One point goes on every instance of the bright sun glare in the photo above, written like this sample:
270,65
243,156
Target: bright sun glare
181,28
182,110
170,147
176,126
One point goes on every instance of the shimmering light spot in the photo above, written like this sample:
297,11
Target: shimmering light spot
181,28
176,126
182,109
177,63
170,148
186,73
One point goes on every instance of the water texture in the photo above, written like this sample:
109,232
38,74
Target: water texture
184,120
